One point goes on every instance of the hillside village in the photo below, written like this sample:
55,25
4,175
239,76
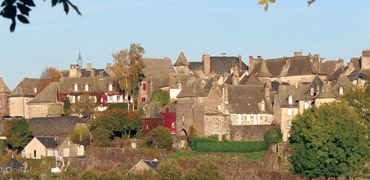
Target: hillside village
232,98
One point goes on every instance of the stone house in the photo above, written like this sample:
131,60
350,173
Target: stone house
46,103
75,70
143,165
358,78
156,75
4,95
12,164
24,92
51,137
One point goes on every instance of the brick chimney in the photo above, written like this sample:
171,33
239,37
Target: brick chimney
251,64
297,54
235,77
240,62
267,92
206,64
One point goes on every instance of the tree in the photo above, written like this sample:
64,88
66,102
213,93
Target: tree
205,171
67,107
328,141
18,133
160,137
80,135
128,67
273,136
145,174
90,175
266,3
101,137
193,132
160,97
11,7
48,75
85,105
170,170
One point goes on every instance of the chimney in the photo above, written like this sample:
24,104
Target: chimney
322,60
225,94
206,64
235,77
251,63
297,54
296,85
88,67
92,73
100,74
267,92
109,65
240,62
316,57
259,57
72,71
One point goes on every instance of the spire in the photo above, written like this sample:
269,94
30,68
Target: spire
181,60
79,60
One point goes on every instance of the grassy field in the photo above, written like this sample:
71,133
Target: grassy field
255,156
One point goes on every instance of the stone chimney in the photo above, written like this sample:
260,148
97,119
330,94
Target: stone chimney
297,54
240,62
259,57
72,71
267,92
235,80
89,67
322,60
251,64
365,59
100,74
92,73
206,64
109,65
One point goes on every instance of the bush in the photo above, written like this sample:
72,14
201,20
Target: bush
80,135
170,170
195,140
101,137
273,136
232,146
111,175
205,171
160,97
2,147
89,175
160,137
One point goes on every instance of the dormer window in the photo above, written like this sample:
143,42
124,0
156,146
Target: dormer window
110,87
312,91
35,89
76,87
263,108
290,99
86,87
179,85
306,105
341,90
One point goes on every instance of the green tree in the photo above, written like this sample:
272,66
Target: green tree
266,3
67,107
2,147
89,175
111,175
146,174
85,105
205,171
160,97
80,135
328,141
18,133
273,136
128,67
101,137
20,9
160,137
170,170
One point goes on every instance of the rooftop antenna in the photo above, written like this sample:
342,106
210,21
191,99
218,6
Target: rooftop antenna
79,60
223,54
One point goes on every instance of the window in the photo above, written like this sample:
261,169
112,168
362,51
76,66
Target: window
142,99
179,85
34,153
76,87
35,89
144,86
289,112
12,101
239,119
255,119
312,92
248,117
263,106
110,87
86,87
288,124
71,98
219,107
268,118
173,125
341,90
306,105
290,99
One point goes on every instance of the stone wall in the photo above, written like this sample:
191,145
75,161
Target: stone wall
190,111
37,110
249,133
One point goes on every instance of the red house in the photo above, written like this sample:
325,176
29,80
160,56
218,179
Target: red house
168,120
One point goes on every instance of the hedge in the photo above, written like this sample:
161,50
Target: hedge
232,146
195,140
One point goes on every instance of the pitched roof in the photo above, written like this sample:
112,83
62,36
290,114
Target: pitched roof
159,69
192,89
325,92
196,66
335,75
47,95
3,87
53,126
223,64
245,99
261,69
315,84
251,80
26,88
328,67
48,142
343,82
355,75
181,60
284,92
96,84
13,163
152,164
178,78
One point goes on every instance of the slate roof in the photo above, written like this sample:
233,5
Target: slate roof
47,95
160,70
48,142
86,73
328,67
261,69
300,65
335,75
285,91
250,80
175,78
245,99
96,84
53,126
196,66
223,64
181,60
325,92
192,89
14,164
26,88
355,75
343,82
315,84
3,87
152,164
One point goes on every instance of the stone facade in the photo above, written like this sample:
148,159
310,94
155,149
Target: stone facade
249,133
18,106
4,94
190,111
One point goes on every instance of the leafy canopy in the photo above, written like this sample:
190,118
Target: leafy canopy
160,137
18,133
160,97
80,135
170,170
205,171
328,141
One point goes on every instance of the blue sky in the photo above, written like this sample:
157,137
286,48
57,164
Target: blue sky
331,28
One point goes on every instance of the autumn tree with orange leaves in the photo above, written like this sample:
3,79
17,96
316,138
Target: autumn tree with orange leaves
48,75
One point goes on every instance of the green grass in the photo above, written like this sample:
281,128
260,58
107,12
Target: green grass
255,156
